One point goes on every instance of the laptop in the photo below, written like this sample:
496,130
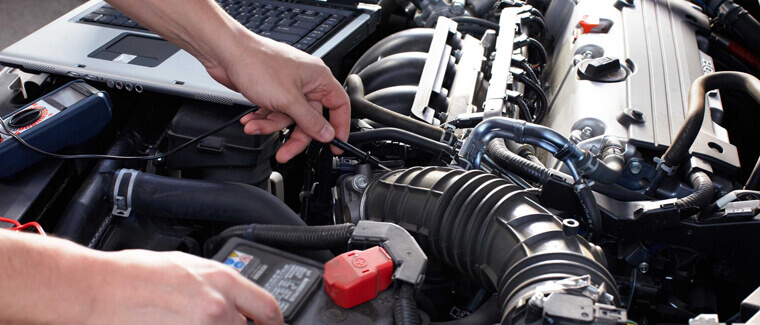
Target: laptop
98,43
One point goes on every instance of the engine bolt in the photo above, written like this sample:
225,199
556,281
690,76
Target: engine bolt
360,182
635,167
644,267
587,133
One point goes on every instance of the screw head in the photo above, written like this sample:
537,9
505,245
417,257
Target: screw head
635,167
587,133
644,267
360,182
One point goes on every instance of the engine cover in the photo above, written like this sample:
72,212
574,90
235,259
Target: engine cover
657,46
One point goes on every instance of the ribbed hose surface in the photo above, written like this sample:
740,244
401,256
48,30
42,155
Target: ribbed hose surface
542,101
702,195
405,310
297,237
486,228
512,162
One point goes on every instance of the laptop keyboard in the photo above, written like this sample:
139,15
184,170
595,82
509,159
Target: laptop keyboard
303,27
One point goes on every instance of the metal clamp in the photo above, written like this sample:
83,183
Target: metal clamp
407,255
122,196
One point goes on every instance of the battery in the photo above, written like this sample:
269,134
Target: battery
297,284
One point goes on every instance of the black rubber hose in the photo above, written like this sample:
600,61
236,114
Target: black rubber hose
486,228
476,21
736,19
405,310
488,313
591,214
542,101
689,130
367,109
398,135
512,162
410,40
400,69
702,195
400,98
334,237
88,208
234,203
524,150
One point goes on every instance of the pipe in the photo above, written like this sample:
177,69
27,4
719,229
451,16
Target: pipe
410,40
702,195
512,162
235,203
735,18
524,150
400,98
400,69
295,237
486,228
398,135
405,310
367,109
689,130
87,209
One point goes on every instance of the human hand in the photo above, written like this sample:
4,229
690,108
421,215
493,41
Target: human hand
289,86
175,288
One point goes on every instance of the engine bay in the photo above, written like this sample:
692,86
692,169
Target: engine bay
539,162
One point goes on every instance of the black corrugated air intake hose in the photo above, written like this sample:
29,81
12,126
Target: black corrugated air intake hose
486,228
702,195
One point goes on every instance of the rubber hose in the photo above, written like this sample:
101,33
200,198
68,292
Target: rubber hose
486,228
334,237
367,109
234,203
400,98
405,310
524,150
524,110
488,313
398,135
88,208
591,214
476,21
702,195
410,40
512,162
689,130
402,69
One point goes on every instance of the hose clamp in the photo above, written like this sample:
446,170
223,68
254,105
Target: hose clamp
122,195
667,169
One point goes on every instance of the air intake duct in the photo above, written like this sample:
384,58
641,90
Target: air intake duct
488,229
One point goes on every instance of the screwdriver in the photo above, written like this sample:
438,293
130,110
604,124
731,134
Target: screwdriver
363,156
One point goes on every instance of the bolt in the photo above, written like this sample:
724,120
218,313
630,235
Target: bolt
587,133
637,114
360,182
635,167
644,267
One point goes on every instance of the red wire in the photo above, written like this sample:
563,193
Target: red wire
18,227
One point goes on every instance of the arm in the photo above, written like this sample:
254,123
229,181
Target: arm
53,281
297,84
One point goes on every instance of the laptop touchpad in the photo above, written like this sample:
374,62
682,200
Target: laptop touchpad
136,49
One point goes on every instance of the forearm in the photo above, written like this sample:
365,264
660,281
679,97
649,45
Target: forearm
200,27
46,280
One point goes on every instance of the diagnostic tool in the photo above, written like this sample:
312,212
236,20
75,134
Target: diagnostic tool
66,117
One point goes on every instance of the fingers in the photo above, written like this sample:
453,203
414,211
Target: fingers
256,303
310,119
298,142
269,124
335,98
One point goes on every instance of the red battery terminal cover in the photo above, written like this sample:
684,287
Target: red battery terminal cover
355,277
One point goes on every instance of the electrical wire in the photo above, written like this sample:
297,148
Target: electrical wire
19,227
111,157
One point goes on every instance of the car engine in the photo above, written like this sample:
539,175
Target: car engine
539,162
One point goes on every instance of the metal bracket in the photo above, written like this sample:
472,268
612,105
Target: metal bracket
434,69
500,74
409,258
122,196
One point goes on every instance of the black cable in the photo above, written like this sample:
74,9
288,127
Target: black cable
110,157
523,64
524,109
542,101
